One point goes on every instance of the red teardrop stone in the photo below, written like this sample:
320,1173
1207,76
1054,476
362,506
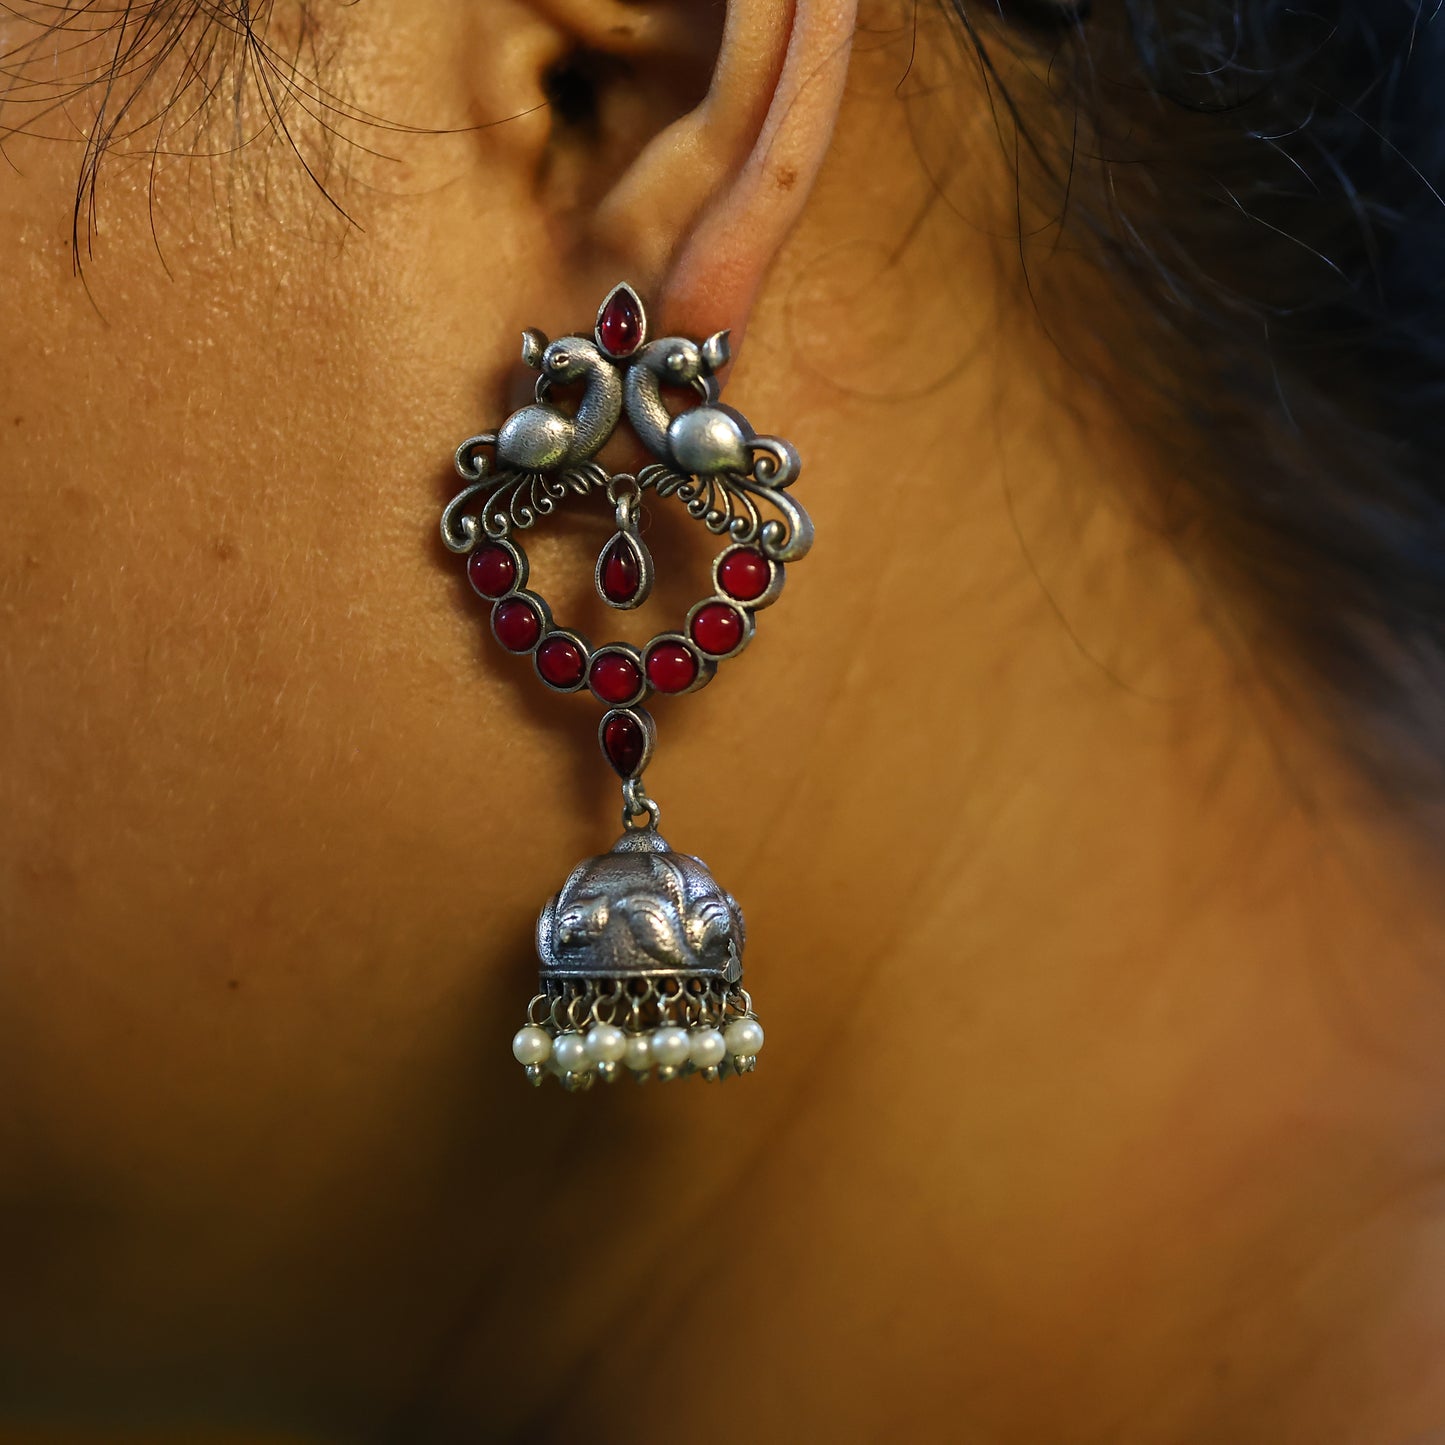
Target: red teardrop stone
717,628
615,677
624,743
516,624
619,328
744,574
560,661
671,667
621,574
492,571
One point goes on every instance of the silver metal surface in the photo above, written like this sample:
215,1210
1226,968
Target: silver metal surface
542,437
732,505
637,803
641,911
709,456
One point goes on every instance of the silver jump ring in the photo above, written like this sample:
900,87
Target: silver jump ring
636,804
617,493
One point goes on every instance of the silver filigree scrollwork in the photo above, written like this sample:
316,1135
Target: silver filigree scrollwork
710,457
729,505
496,504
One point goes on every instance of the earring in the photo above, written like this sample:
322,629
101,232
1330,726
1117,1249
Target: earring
641,951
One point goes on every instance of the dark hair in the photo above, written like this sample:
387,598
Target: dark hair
1262,180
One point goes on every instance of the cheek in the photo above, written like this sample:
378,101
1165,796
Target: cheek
245,739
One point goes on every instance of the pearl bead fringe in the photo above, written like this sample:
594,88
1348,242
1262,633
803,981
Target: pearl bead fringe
604,1052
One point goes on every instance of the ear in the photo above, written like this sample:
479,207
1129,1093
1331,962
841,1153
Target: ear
705,204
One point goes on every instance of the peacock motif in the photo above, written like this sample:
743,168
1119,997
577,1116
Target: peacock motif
541,454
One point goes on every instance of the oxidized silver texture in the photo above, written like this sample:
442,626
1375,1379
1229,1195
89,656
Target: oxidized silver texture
641,911
708,455
641,950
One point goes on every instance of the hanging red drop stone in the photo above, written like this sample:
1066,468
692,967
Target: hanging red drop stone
621,574
624,743
619,327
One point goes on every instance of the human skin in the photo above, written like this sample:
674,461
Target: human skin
1102,1097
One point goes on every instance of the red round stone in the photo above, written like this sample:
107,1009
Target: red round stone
619,328
516,624
561,662
744,574
624,743
621,574
615,677
492,570
717,628
671,667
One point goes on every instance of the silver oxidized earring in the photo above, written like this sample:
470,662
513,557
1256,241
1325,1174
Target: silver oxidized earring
641,950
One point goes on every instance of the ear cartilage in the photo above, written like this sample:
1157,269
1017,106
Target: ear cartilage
640,951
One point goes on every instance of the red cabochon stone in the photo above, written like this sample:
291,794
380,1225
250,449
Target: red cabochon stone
744,574
560,661
621,574
717,628
492,571
615,677
671,667
516,624
619,328
623,742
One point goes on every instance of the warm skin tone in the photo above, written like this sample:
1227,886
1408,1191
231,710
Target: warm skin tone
1102,1091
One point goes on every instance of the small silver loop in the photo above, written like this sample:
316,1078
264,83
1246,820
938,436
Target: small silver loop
616,491
625,494
636,804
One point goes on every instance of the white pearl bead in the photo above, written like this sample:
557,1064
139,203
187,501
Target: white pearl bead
669,1047
638,1053
606,1043
569,1053
531,1045
744,1037
706,1047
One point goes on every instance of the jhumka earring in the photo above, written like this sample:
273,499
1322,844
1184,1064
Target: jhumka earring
641,951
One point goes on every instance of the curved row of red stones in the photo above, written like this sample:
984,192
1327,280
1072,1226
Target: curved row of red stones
620,675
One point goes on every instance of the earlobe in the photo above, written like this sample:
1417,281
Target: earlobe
705,207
